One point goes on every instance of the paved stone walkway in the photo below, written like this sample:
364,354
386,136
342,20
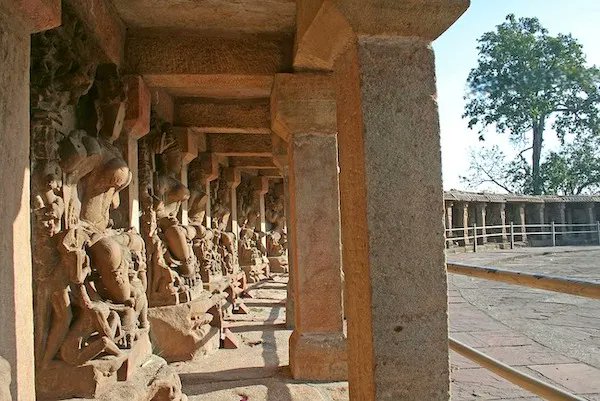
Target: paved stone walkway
551,336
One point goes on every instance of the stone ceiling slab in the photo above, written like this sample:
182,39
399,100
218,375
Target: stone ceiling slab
248,16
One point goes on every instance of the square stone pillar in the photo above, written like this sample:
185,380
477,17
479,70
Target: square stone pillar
521,220
448,220
392,221
261,185
135,126
480,219
18,19
502,221
188,141
303,113
465,222
233,178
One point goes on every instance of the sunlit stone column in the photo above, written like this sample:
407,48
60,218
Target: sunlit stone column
465,222
233,178
480,218
261,187
521,220
303,113
18,19
449,227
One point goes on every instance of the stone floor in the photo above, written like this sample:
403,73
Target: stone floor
551,336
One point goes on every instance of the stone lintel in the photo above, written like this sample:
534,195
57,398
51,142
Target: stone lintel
162,104
252,162
233,176
271,173
188,141
36,15
257,145
215,86
303,104
137,115
151,51
104,24
210,164
326,27
226,117
260,184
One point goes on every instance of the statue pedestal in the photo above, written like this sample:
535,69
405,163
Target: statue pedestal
61,380
257,271
185,331
278,264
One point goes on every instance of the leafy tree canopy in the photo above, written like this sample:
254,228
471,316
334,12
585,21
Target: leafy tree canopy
528,81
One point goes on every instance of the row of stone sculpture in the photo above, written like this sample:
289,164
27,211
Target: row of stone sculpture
107,296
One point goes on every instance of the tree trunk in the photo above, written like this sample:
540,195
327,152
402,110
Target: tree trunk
538,138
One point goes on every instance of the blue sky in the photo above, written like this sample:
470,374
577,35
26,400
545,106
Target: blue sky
456,55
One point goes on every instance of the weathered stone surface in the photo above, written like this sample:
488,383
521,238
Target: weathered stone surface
154,52
210,116
318,356
246,16
16,339
184,332
252,162
4,380
213,86
397,318
303,104
325,28
36,15
251,145
137,116
104,25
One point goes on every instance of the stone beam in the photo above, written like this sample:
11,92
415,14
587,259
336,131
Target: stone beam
35,15
215,86
162,104
210,116
259,163
155,52
294,99
325,28
104,25
257,145
270,173
137,115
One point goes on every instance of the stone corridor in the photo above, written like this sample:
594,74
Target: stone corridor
515,333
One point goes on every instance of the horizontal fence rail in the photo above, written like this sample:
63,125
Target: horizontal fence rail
562,285
588,289
510,232
529,383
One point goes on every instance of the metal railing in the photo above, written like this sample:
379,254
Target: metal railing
563,285
477,235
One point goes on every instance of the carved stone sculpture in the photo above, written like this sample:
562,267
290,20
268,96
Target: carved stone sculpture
90,305
252,253
277,233
182,327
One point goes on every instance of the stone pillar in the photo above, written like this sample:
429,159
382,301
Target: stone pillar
18,19
390,186
560,218
465,223
303,113
480,217
188,141
521,220
233,178
449,231
393,232
261,185
502,221
135,126
280,159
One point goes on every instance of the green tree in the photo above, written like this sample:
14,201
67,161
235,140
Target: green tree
574,170
527,81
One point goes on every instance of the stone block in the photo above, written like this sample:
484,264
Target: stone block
137,116
318,356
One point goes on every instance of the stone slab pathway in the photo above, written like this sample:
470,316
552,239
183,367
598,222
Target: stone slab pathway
551,336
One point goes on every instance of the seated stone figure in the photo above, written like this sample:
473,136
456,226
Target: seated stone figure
174,268
277,251
252,256
99,305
